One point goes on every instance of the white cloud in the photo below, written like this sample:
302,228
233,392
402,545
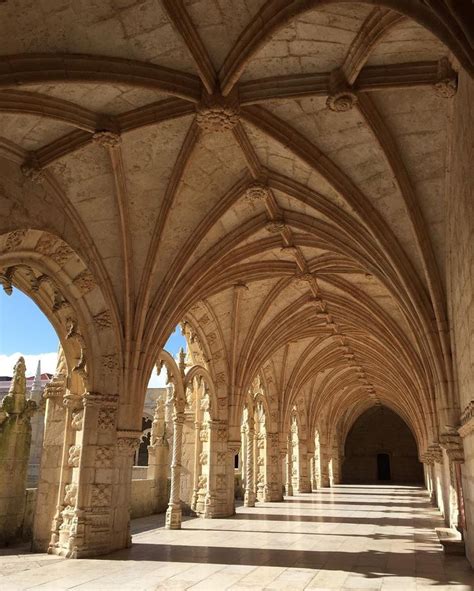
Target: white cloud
48,363
157,381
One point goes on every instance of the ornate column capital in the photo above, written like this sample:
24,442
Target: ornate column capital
128,442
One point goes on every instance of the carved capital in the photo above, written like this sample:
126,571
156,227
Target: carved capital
217,113
128,442
451,442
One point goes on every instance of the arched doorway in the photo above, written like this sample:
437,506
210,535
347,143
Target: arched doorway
381,448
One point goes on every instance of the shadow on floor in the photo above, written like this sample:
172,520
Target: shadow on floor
372,564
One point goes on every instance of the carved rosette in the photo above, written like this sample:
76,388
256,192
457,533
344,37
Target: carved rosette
107,139
216,113
341,101
257,191
85,282
341,96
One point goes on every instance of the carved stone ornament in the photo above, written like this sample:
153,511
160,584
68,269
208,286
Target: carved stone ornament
217,113
467,420
101,495
14,239
74,456
77,420
341,97
103,320
257,191
103,456
85,282
32,170
107,139
128,442
447,83
451,441
70,494
54,248
341,101
275,226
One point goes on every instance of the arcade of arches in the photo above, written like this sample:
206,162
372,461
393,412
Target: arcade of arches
288,180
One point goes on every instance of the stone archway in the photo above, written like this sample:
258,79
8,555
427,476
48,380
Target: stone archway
381,448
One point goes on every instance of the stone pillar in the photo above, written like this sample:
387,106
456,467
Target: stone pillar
249,497
325,481
173,513
304,484
233,447
37,430
312,472
158,457
15,439
274,484
197,476
289,466
92,517
56,427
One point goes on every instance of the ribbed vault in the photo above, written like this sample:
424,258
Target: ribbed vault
270,173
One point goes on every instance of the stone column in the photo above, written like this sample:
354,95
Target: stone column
289,466
312,474
95,485
158,453
249,497
173,513
197,465
212,504
15,439
55,427
304,484
273,486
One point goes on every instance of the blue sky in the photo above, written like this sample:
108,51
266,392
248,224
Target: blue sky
25,330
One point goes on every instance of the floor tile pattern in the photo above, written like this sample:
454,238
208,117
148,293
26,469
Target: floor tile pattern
348,537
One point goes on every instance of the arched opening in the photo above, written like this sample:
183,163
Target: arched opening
380,447
25,333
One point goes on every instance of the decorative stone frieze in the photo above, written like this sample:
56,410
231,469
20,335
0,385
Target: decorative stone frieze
54,248
13,240
467,420
85,282
216,113
107,139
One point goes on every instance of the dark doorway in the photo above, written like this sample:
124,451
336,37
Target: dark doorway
383,467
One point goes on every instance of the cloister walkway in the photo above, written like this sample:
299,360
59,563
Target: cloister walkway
348,537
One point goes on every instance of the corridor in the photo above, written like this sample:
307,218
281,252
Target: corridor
348,537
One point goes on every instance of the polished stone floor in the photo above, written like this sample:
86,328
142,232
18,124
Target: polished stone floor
349,537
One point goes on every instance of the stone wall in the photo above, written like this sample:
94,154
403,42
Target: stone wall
460,270
379,430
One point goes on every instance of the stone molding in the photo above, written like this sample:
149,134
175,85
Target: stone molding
467,420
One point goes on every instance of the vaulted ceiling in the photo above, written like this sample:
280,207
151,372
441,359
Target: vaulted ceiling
272,172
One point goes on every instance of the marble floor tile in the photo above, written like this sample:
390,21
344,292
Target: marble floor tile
348,537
